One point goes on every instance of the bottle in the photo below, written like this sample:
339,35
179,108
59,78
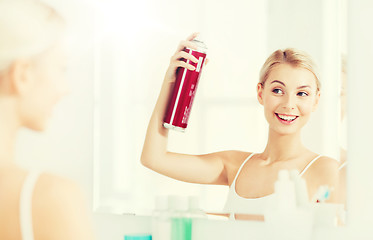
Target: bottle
138,237
285,192
300,189
180,222
161,222
194,211
181,99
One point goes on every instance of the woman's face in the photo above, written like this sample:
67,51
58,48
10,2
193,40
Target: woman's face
289,95
47,84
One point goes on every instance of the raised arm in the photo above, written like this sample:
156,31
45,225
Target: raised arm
207,168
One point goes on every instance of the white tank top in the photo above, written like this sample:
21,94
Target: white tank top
257,206
25,213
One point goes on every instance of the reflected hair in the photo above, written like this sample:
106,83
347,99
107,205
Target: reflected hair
293,57
27,28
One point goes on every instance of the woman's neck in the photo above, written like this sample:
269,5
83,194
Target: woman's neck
9,125
283,147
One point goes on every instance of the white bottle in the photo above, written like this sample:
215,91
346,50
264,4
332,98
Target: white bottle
301,191
285,192
161,221
194,210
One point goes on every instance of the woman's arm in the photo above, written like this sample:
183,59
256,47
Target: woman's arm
208,168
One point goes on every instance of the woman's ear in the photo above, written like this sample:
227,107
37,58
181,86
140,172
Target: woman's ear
259,90
316,101
19,77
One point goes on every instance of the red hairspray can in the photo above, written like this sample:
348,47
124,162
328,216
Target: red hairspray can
181,99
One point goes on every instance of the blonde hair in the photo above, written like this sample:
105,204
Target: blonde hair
27,28
291,56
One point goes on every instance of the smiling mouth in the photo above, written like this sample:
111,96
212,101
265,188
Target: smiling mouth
286,118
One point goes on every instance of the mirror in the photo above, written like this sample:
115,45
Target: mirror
134,43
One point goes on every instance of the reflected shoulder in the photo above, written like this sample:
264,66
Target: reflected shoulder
59,203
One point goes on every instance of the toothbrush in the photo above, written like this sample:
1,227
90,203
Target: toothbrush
322,194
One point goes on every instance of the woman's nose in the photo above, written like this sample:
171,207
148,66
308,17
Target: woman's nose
289,102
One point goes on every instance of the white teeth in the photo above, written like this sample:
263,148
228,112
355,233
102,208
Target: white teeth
287,118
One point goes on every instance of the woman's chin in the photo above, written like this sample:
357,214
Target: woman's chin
38,126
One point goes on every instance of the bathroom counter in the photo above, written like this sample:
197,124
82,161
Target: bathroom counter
227,229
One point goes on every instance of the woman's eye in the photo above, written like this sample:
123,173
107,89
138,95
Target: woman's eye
302,94
277,91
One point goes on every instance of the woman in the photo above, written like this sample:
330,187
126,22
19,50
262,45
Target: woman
289,91
34,205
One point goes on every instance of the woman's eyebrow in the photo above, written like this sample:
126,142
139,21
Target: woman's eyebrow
274,81
304,86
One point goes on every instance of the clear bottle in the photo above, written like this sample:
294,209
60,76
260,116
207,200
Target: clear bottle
194,212
161,221
180,222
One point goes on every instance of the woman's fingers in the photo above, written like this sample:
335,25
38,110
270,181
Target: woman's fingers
185,65
184,55
177,60
192,36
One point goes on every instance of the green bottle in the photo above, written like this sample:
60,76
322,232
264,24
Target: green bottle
181,223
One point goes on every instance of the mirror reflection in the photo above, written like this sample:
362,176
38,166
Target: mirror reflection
268,112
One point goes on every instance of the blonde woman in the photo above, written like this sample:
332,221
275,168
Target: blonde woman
289,90
34,204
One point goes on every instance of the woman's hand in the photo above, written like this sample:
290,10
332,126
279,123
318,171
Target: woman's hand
178,59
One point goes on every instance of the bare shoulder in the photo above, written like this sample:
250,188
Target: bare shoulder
234,158
56,191
59,203
326,165
54,184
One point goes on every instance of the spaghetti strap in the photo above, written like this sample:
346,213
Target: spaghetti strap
309,165
239,170
342,165
26,205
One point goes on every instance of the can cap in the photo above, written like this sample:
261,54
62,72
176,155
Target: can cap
199,40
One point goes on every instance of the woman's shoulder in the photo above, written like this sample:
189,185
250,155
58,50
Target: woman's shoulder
55,190
324,171
234,157
59,203
325,163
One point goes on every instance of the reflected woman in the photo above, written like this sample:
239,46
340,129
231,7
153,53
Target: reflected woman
289,91
34,204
